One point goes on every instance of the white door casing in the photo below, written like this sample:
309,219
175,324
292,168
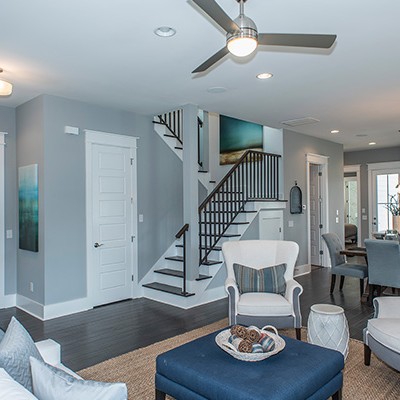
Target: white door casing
111,226
356,170
322,162
315,215
375,170
2,221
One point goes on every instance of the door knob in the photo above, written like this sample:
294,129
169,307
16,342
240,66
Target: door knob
98,245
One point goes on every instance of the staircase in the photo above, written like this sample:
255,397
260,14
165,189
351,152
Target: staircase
224,215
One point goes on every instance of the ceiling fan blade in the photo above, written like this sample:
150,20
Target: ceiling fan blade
212,60
213,10
296,40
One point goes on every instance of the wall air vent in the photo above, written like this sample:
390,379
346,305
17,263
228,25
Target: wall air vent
300,121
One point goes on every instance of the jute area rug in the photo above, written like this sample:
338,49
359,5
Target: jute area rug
137,369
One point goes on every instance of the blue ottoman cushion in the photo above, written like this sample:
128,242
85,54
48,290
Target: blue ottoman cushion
201,370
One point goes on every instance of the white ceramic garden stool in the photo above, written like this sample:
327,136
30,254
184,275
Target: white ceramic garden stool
328,327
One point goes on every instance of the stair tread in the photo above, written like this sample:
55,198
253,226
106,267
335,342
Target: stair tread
203,277
215,248
170,272
229,212
232,223
178,148
167,289
203,172
170,135
175,258
231,235
211,262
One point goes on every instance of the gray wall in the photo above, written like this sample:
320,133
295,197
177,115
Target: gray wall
295,148
62,203
7,124
30,150
363,158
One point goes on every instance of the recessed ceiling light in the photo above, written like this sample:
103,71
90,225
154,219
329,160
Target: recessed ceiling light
335,131
165,31
264,75
216,89
372,143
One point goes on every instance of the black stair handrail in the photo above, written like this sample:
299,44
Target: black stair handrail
199,126
173,122
255,176
182,232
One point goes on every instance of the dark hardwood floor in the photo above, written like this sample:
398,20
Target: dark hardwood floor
90,337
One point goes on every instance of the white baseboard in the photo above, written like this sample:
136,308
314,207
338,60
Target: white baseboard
30,306
66,308
51,311
9,300
302,269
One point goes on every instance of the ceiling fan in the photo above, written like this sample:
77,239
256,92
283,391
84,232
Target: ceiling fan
242,37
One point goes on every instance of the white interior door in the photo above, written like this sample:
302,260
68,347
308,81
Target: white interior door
112,226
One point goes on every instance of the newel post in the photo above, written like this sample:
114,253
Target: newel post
190,190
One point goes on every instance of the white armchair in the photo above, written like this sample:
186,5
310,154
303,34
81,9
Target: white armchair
382,334
260,308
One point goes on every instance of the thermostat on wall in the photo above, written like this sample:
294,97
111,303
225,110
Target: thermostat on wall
71,130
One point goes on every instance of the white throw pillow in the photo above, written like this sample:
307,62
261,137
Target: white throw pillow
10,389
50,383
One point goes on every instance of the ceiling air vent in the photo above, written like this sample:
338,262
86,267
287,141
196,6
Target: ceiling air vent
300,121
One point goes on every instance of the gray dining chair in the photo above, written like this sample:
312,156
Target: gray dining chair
383,264
339,265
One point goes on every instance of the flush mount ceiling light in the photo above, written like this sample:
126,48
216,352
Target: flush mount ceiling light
264,75
216,89
242,36
5,87
335,131
165,31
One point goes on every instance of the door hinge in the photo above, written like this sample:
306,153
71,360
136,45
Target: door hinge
131,161
320,226
132,238
132,277
280,230
319,173
321,252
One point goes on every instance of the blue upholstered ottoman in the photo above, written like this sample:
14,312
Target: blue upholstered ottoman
200,370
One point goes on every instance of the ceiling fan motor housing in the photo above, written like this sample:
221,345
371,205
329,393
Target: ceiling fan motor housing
247,29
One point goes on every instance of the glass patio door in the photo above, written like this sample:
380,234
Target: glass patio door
384,186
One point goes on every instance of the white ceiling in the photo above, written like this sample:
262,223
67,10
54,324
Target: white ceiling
105,52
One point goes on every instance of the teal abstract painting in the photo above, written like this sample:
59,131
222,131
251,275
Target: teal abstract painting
28,199
236,136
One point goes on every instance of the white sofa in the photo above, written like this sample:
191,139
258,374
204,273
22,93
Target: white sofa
51,353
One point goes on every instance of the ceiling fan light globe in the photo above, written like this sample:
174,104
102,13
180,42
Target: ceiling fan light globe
5,88
242,46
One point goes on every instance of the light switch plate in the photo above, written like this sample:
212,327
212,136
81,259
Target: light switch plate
290,224
9,233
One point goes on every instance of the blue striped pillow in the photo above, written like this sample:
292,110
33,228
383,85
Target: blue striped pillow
269,279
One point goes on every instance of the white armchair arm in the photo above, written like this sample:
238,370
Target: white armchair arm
233,295
292,295
291,285
50,351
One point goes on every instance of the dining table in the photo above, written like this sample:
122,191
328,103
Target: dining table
355,251
359,252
